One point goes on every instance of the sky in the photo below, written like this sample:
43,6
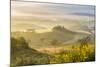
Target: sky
88,2
43,16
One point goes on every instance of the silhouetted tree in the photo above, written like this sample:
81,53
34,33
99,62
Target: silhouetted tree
18,42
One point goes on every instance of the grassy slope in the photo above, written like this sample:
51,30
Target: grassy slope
44,39
22,54
30,56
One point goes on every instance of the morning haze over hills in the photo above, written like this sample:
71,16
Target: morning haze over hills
47,33
43,16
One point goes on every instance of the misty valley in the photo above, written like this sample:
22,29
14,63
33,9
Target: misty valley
58,46
51,33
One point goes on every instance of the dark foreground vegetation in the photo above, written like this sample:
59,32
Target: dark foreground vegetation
22,54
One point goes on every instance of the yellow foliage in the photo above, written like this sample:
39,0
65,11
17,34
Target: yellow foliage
76,54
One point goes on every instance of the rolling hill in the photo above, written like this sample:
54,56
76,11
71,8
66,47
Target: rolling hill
59,33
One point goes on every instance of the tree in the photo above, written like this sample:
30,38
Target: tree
85,41
22,42
13,42
18,43
54,43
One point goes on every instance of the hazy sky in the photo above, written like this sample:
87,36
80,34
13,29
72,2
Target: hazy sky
28,15
89,2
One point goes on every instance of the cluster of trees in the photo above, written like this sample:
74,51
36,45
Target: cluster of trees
60,28
19,43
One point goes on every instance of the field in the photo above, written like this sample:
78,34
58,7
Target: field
55,52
